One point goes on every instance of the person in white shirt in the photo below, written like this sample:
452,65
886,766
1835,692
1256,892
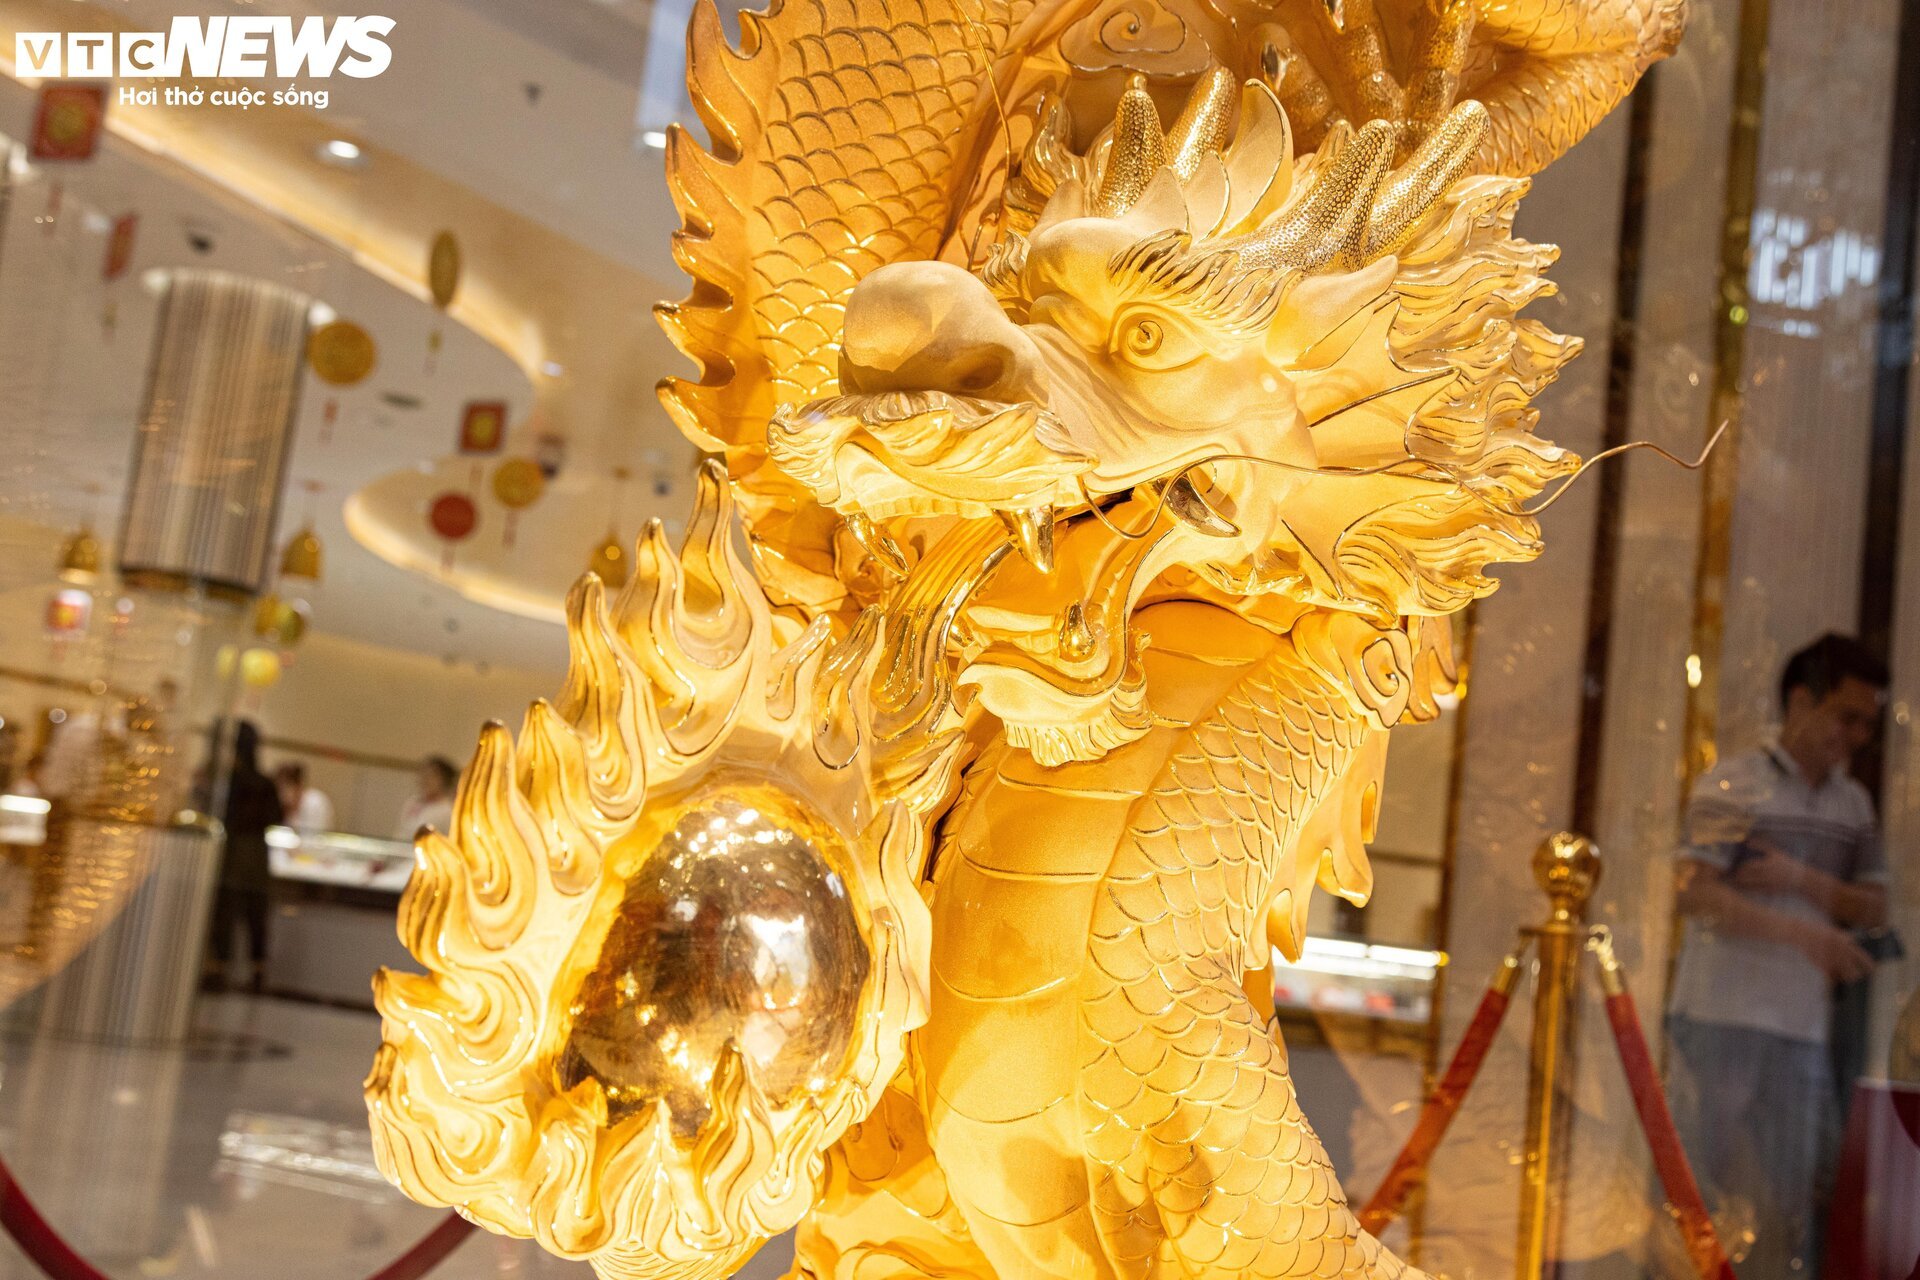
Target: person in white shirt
432,806
1783,863
308,808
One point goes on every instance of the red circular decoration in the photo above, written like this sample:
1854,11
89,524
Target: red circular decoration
453,516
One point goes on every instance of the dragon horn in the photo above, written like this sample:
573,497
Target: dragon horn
1139,151
1418,185
1201,129
1329,225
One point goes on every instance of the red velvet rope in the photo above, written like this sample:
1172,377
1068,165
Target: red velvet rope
43,1245
1669,1158
1410,1168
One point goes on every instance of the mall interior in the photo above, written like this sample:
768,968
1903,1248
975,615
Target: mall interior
315,409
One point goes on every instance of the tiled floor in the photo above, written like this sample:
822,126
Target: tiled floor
204,1166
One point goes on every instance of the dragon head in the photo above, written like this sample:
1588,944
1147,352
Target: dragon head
1313,367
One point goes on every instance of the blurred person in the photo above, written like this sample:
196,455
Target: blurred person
1783,863
253,805
307,808
432,805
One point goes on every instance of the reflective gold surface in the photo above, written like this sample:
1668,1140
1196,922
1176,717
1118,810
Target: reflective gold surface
1118,397
732,927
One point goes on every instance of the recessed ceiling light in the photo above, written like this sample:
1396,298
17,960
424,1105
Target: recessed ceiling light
338,151
655,138
553,368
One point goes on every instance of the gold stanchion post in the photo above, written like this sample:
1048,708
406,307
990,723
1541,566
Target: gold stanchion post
1567,867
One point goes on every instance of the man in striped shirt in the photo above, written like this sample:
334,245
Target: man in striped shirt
1782,862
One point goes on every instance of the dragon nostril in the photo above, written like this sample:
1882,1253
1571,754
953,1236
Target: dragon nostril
984,374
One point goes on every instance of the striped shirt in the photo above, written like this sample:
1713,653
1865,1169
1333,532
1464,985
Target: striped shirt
1762,796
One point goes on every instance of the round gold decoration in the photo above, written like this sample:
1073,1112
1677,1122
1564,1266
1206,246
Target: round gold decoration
443,269
259,668
518,482
341,353
281,621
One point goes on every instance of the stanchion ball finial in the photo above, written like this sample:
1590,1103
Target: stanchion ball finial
1567,866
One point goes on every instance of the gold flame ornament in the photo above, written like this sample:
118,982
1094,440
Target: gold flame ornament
676,929
1111,467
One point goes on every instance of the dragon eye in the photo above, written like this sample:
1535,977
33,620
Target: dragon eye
1154,343
1143,338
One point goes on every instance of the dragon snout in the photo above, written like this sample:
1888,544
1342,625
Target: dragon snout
931,326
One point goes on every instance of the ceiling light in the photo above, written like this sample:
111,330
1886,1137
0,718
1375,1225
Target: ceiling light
655,138
339,151
553,368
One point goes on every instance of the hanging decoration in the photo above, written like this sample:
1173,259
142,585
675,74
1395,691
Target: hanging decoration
609,559
119,258
259,668
454,517
80,556
443,281
517,484
282,621
67,123
610,562
341,354
550,452
69,609
483,426
303,556
120,243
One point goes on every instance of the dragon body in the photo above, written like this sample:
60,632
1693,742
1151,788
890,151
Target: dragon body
1147,1081
1119,397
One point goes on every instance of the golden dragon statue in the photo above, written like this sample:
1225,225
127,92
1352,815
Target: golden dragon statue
1114,400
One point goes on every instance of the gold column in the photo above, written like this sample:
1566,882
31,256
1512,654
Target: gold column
1567,867
1728,403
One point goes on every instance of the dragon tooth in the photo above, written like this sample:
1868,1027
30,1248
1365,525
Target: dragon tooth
1187,504
875,542
1032,531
